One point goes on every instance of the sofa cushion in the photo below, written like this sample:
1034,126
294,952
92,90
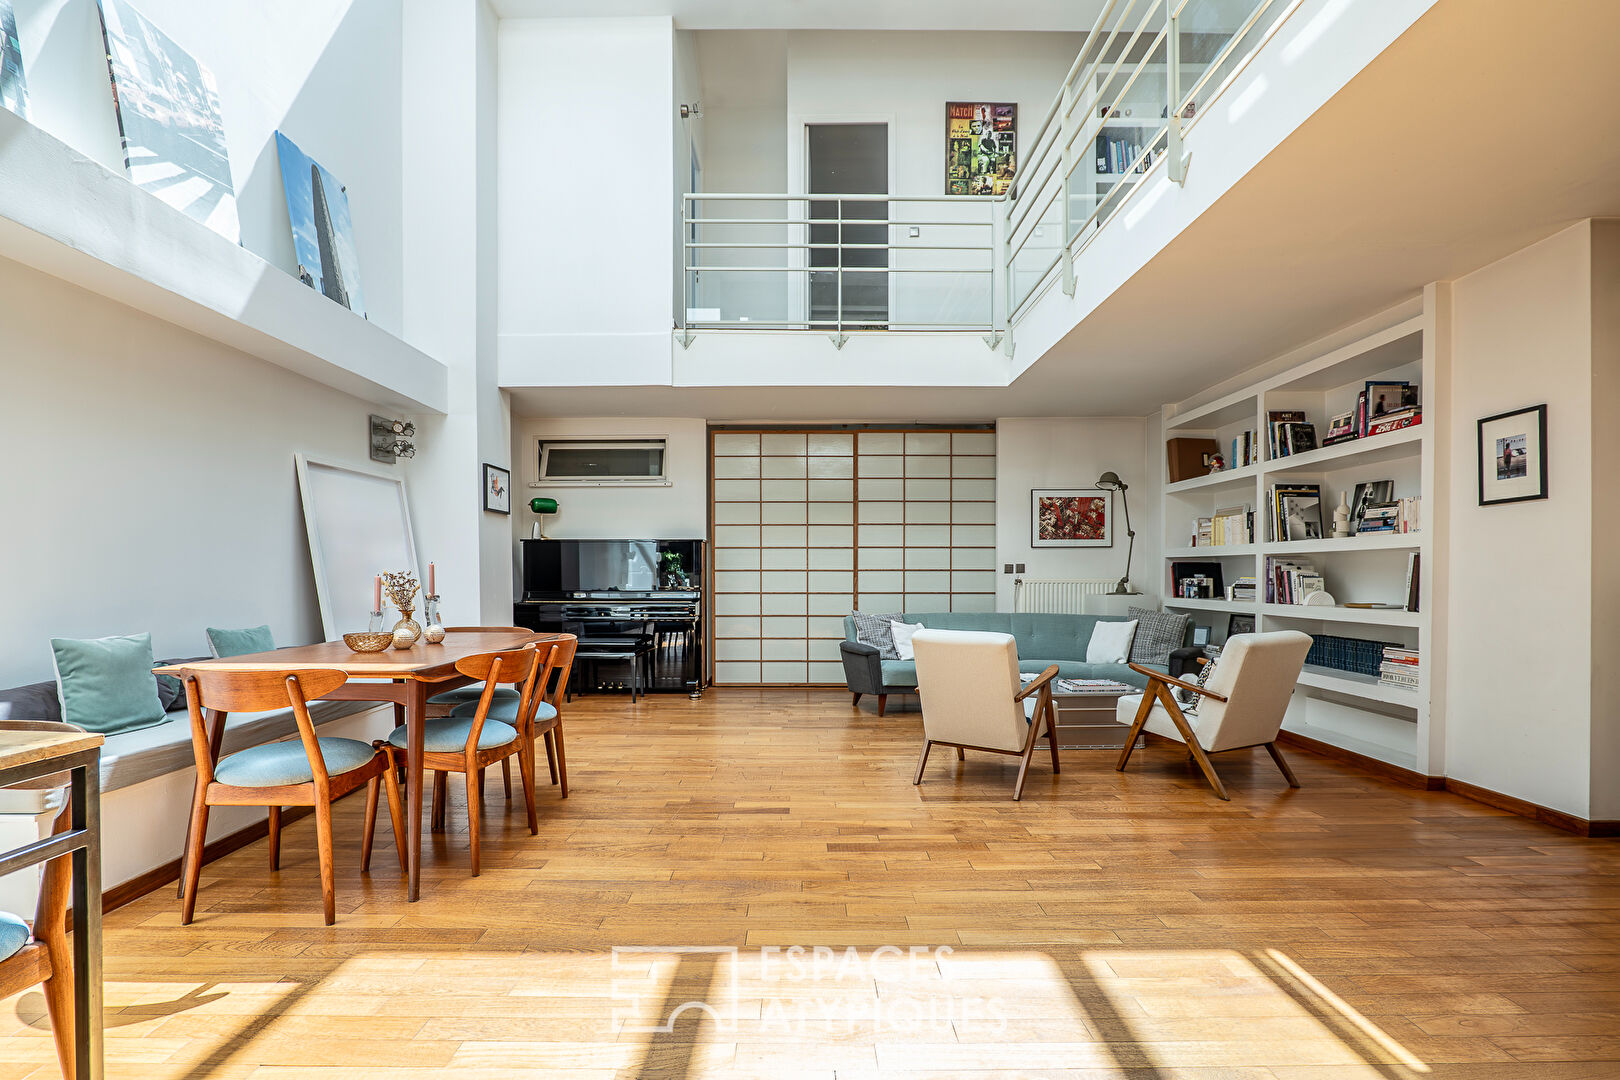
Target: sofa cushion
1158,633
36,701
255,639
13,935
171,691
874,630
106,684
275,764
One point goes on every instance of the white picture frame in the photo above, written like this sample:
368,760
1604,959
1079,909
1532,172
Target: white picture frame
1070,505
358,521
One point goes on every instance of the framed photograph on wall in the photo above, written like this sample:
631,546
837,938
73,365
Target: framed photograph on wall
1071,517
1239,624
981,147
497,489
1513,456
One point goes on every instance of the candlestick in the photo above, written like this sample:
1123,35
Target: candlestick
376,593
433,581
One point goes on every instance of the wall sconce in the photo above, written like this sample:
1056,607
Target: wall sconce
391,439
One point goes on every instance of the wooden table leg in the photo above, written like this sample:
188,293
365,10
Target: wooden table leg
415,733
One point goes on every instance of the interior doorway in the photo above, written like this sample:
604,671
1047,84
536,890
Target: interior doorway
853,291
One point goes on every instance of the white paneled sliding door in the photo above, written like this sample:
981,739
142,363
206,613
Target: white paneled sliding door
808,525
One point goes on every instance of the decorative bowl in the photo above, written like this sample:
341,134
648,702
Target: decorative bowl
369,642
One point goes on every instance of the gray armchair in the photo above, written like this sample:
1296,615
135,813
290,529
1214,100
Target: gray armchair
864,673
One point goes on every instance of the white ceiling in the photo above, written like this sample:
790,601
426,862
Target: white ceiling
825,14
1475,134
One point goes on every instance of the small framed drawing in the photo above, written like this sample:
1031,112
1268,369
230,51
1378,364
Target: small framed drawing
1239,624
1071,517
1200,635
497,489
1513,456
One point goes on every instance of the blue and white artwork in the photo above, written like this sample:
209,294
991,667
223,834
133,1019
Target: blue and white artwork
168,115
13,90
323,235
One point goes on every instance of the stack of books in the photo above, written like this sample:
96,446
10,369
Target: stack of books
1399,667
1291,581
1289,433
1244,589
1386,406
1345,654
1196,587
1380,518
1296,512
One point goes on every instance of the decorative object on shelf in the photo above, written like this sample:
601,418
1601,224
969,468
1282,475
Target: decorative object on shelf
368,641
402,587
1239,624
1197,580
1319,598
391,439
540,507
1216,463
1073,517
323,233
1513,456
672,571
13,87
1189,458
169,120
433,632
1110,481
1341,517
497,489
981,147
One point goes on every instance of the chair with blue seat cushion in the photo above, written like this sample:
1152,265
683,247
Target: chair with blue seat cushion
972,699
307,772
469,744
546,720
463,695
45,960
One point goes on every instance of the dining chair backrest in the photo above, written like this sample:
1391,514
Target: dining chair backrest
519,667
967,680
562,663
258,691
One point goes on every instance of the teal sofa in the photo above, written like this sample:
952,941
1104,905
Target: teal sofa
1043,640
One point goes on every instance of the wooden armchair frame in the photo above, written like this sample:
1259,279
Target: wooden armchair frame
1045,713
223,692
1158,689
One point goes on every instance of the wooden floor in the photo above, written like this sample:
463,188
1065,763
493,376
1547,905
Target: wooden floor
1107,926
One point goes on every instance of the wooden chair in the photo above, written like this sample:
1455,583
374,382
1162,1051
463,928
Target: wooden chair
972,700
1240,706
469,742
310,772
443,704
547,712
42,957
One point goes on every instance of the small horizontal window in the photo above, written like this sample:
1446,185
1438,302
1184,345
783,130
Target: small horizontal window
578,461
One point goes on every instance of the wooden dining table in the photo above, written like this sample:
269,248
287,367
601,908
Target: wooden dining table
404,677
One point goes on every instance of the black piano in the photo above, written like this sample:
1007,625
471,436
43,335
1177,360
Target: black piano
636,606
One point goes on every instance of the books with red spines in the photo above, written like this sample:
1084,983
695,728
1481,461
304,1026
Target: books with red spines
1383,425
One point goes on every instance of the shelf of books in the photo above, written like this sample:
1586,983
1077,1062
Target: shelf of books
1298,502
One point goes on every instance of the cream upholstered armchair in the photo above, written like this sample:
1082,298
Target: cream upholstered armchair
1241,704
972,700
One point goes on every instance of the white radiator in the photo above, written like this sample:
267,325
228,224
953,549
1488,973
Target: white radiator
1059,595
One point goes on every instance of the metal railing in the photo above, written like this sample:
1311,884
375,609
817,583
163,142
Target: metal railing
1147,71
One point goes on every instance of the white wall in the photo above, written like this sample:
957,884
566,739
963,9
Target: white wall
680,511
1066,452
150,482
1605,766
1519,652
326,72
586,176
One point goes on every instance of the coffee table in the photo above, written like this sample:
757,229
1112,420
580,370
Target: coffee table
1085,713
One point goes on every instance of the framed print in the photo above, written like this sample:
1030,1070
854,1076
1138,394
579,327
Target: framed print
1239,624
981,147
497,489
1513,456
1071,517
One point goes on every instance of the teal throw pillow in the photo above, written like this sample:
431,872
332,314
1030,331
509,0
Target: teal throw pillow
106,684
255,639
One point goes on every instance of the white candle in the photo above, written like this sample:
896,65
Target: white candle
432,578
376,593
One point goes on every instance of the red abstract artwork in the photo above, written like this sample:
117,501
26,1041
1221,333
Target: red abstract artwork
1072,517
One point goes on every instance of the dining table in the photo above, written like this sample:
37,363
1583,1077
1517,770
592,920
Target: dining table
406,678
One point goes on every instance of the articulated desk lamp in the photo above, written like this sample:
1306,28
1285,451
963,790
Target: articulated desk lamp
1112,482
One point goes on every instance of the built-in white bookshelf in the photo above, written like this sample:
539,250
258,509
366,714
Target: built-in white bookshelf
1356,712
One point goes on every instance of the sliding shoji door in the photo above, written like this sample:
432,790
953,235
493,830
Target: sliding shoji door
809,525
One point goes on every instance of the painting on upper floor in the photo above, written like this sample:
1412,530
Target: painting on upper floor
981,147
322,232
13,90
169,118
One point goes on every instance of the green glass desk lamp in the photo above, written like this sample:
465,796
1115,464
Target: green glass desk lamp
542,507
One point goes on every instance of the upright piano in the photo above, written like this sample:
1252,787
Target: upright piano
642,596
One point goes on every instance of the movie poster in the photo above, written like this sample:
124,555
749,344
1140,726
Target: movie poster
981,147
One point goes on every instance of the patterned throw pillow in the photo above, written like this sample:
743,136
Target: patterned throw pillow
1157,633
874,630
1189,700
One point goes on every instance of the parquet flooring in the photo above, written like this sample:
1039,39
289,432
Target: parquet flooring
1107,926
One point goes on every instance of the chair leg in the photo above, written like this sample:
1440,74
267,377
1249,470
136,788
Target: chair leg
506,777
440,791
323,846
1196,750
396,808
551,755
275,838
1276,755
857,701
526,775
1136,730
199,835
961,754
1051,734
481,773
59,1003
928,744
373,789
1023,766
883,703
562,759
474,815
